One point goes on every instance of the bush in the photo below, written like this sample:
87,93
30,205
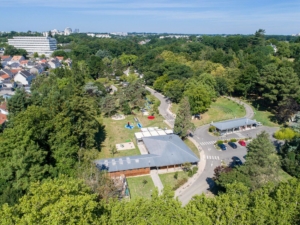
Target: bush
211,129
219,142
232,140
179,183
285,134
193,171
225,141
176,175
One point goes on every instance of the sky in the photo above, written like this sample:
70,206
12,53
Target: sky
159,16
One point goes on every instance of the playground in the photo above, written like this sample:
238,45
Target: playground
116,133
125,146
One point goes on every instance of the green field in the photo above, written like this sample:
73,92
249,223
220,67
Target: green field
221,109
168,178
138,189
117,133
192,147
174,108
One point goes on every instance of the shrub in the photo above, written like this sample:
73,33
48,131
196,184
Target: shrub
219,142
232,140
225,141
179,183
176,175
285,134
211,129
193,171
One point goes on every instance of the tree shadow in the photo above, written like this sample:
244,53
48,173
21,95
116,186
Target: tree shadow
212,185
100,136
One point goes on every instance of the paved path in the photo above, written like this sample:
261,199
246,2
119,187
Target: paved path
156,180
210,157
163,109
248,108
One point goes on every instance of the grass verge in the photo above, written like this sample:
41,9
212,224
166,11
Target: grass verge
138,188
192,147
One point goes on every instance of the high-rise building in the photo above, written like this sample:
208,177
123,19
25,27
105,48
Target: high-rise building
41,45
76,31
68,31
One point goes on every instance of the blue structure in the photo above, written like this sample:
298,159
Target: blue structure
128,126
139,125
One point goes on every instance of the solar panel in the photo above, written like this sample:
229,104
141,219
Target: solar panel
121,161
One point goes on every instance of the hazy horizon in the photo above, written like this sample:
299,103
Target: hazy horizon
159,16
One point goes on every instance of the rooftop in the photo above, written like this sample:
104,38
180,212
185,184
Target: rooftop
234,123
164,150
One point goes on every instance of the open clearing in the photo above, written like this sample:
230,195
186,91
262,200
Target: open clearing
222,109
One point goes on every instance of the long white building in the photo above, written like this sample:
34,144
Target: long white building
41,45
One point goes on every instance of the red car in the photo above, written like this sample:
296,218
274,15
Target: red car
242,143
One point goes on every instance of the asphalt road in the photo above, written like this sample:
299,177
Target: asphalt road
213,156
164,105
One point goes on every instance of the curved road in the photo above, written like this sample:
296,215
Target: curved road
212,156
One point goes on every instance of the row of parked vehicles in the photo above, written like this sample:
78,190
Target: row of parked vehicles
232,145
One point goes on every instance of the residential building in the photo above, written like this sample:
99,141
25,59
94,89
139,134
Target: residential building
3,118
164,152
103,36
24,77
41,45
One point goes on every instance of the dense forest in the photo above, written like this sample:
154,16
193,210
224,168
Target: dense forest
54,133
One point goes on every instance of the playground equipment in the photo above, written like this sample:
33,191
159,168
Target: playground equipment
138,122
151,117
128,126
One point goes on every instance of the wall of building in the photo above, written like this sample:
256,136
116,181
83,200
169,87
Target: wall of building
130,173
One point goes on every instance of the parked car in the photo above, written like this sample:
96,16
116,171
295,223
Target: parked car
242,143
232,145
222,146
236,161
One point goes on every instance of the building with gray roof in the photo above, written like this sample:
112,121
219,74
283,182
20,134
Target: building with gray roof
234,125
166,151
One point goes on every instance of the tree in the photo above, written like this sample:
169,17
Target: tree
18,103
103,54
248,80
174,90
199,95
277,85
109,105
144,182
60,201
160,82
128,60
183,125
113,150
35,55
290,153
96,67
262,164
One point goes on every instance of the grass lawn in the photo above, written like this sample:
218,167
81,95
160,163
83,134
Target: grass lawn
117,133
174,108
265,118
138,189
221,109
168,178
192,147
284,176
